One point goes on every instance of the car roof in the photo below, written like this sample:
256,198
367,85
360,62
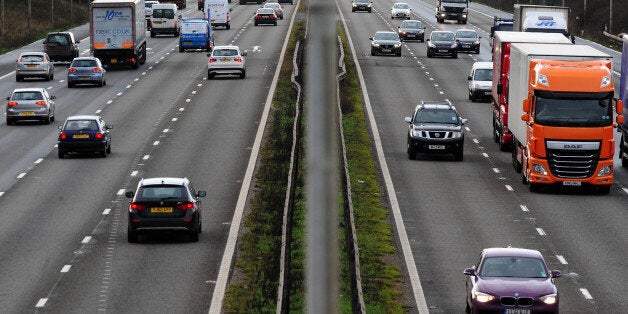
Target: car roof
83,117
29,89
85,58
41,53
164,180
483,65
442,32
226,47
466,30
511,252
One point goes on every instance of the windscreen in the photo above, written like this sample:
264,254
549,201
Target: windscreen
483,75
386,36
411,24
574,109
443,36
436,116
520,267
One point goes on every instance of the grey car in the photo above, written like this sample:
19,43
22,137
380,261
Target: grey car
411,30
30,104
34,64
442,43
226,60
277,7
385,43
468,40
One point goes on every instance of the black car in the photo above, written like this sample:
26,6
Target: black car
468,40
411,30
442,43
61,46
386,43
436,128
84,134
265,16
170,204
361,5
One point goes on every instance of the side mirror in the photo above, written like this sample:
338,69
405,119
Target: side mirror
53,97
60,127
620,119
526,105
78,41
371,38
244,54
201,194
230,9
469,271
525,117
469,78
619,107
8,98
209,54
408,119
108,126
129,194
500,88
463,121
427,39
555,273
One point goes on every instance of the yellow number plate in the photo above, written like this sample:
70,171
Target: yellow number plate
161,209
114,60
27,113
31,65
226,60
80,136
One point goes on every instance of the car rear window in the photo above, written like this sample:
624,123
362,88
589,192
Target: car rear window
265,11
81,125
84,63
58,39
163,13
161,192
225,52
32,58
27,96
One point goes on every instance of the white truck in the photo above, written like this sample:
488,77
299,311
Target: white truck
541,18
118,32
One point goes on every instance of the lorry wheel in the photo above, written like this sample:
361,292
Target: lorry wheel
604,189
624,162
515,162
495,136
533,187
143,54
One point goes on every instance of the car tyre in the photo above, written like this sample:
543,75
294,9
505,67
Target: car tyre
61,154
10,122
103,153
604,189
440,20
228,27
132,236
104,82
243,74
275,23
152,34
455,55
210,75
459,155
18,78
398,54
70,85
411,152
256,23
47,120
429,55
108,150
193,236
180,48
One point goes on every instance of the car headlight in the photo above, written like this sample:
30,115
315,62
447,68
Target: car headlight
454,45
368,5
375,44
539,169
456,134
549,299
397,45
416,133
355,5
482,297
431,45
605,171
477,42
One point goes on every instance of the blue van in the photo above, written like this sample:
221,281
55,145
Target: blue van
195,34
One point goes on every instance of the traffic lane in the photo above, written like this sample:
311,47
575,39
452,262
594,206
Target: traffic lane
206,145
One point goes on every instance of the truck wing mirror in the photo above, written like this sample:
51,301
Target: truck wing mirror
526,105
620,119
619,107
469,78
499,88
525,117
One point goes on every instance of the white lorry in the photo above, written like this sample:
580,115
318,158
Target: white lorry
118,32
541,18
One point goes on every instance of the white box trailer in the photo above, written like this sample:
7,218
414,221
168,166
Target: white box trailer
520,56
118,32
541,18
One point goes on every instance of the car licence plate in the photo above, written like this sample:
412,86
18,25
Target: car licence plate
411,35
27,113
225,60
572,183
517,311
442,50
487,93
466,46
114,60
80,136
31,65
436,146
187,42
161,209
84,77
386,50
157,22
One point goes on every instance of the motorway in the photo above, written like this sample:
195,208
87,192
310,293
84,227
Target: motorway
63,246
452,210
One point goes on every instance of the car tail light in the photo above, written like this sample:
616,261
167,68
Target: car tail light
257,16
72,70
63,136
132,60
227,16
44,59
212,60
41,103
186,206
98,136
12,103
238,59
272,16
136,206
19,59
96,70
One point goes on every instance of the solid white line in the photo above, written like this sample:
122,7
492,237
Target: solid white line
524,208
495,170
66,268
106,211
120,192
39,160
146,157
86,239
509,188
227,257
7,75
541,231
408,256
41,302
134,173
21,175
586,294
561,259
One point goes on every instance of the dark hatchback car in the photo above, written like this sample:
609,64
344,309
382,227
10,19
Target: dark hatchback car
170,204
411,30
265,16
468,40
511,281
442,43
361,5
436,128
61,46
84,134
387,43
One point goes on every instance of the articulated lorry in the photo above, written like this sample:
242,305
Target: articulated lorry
452,10
118,32
623,95
542,19
501,76
561,115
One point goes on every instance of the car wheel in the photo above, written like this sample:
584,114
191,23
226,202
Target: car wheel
52,118
103,153
9,122
472,97
193,236
18,78
398,54
61,154
275,23
47,119
392,17
369,11
180,48
132,236
108,151
440,20
104,82
459,155
210,75
255,23
411,152
152,34
455,55
243,74
228,26
429,55
70,85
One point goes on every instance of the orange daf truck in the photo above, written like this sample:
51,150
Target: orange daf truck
562,115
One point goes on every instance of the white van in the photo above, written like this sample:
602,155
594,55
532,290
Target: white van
217,12
480,81
165,19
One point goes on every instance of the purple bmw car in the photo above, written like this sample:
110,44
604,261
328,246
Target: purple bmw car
511,281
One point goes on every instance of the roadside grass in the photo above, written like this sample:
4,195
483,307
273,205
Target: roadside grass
255,281
381,277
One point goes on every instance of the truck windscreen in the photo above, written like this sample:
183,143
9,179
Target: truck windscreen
574,111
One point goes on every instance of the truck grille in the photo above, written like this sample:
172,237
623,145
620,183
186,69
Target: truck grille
572,163
453,9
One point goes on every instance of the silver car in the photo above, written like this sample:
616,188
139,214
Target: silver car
226,60
30,104
34,64
277,7
400,10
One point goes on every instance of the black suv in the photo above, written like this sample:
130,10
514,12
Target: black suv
164,204
61,46
435,127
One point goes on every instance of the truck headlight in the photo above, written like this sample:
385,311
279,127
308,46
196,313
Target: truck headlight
605,171
539,169
549,299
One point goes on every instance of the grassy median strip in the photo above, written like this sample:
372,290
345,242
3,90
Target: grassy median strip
381,277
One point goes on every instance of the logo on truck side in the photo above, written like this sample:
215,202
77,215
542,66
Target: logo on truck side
546,23
111,14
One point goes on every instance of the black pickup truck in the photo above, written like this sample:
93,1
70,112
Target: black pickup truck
61,46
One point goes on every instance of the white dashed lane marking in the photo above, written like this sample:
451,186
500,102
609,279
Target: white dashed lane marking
66,268
509,188
495,170
86,239
524,208
106,211
155,143
120,192
561,259
41,302
586,294
541,231
485,155
134,173
146,157
21,175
